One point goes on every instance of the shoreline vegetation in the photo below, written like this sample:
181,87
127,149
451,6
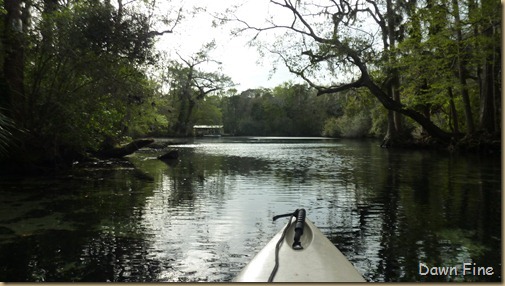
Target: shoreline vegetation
82,78
484,146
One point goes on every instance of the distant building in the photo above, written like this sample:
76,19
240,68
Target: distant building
207,130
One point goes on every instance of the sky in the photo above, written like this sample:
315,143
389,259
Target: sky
239,61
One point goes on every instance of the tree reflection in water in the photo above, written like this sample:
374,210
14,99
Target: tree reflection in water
203,217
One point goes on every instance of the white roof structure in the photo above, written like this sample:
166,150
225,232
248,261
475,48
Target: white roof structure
207,126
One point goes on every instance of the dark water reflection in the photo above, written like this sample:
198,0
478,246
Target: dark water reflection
203,217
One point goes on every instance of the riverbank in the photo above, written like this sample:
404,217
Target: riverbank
479,143
36,161
40,163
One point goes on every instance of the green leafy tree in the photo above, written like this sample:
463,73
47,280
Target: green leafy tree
286,110
443,64
75,75
302,109
334,47
360,116
208,112
189,84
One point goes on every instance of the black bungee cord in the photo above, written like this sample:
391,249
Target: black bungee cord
300,221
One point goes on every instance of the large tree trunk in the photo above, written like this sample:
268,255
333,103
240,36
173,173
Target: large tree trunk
497,90
186,105
180,126
461,71
486,118
394,83
454,113
391,134
192,104
14,59
390,104
470,128
394,125
397,117
489,80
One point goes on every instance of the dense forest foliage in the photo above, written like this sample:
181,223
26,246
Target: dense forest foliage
293,110
81,76
74,77
435,62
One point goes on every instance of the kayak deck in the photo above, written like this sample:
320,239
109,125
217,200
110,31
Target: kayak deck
318,261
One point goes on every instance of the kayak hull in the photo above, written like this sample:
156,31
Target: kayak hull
318,261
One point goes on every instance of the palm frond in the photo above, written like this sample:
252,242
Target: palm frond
6,127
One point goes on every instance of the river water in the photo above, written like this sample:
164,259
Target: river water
205,215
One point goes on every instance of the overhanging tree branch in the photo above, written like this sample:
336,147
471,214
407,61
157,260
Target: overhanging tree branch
344,50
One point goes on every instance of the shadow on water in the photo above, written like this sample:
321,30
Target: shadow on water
438,209
203,216
72,227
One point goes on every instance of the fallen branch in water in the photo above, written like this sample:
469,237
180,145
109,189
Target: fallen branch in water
121,151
